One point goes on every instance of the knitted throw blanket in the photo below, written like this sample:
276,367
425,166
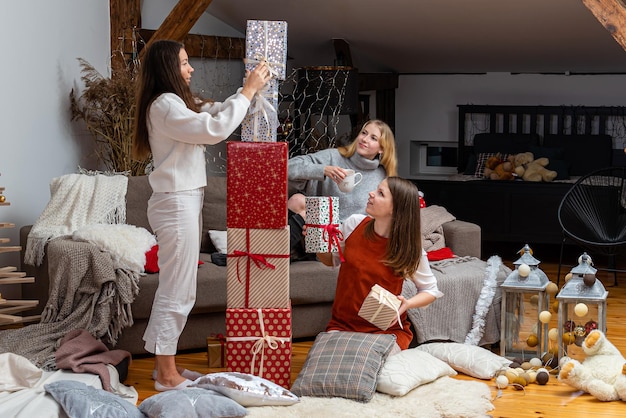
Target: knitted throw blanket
76,200
432,219
86,292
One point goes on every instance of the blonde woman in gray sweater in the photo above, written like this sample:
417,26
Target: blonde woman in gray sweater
372,153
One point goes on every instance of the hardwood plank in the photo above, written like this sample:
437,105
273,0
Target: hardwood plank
554,399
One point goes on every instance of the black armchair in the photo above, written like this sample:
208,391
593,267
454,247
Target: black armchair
592,214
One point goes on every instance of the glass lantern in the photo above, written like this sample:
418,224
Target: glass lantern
582,307
524,296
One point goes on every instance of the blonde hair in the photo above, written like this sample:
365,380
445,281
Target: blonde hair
387,143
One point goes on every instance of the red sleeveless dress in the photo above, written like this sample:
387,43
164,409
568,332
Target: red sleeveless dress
361,270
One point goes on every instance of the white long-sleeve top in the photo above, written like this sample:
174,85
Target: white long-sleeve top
424,279
178,136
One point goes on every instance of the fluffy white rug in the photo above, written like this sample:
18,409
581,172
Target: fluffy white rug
445,397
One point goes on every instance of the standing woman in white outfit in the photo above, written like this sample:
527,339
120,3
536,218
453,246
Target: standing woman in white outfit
174,127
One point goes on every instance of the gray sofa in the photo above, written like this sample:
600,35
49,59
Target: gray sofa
312,285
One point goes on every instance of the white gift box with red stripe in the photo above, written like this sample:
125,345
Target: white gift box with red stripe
257,269
258,342
322,225
380,307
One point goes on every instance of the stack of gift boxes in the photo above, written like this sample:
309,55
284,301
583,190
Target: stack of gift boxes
258,313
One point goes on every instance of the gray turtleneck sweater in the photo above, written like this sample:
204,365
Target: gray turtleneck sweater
306,174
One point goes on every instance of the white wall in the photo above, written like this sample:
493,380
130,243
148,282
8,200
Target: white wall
426,105
41,40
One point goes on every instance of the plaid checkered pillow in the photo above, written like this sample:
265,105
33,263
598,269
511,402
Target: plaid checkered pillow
344,364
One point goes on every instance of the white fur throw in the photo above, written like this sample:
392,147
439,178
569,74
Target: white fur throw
127,244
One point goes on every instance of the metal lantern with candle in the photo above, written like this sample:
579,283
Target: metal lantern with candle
582,296
524,294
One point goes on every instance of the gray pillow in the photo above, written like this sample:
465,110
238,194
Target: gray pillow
79,400
344,364
191,403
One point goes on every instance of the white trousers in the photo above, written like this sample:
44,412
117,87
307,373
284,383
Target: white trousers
176,221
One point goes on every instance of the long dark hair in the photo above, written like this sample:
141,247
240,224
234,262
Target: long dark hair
404,247
160,73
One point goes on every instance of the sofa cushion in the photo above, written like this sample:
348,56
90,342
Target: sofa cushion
213,211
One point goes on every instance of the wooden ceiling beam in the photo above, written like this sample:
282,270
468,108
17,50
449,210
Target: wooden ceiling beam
197,46
123,14
179,22
129,39
612,15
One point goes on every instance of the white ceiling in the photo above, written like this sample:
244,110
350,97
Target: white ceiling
439,36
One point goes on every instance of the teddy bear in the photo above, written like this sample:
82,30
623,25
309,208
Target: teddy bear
602,373
529,169
498,168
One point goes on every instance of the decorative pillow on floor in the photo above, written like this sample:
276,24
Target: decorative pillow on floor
246,389
191,403
344,364
79,400
471,360
409,369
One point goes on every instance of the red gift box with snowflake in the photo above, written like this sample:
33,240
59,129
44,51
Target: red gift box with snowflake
256,185
258,342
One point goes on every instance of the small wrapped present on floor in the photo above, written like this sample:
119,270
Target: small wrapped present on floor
258,342
380,307
322,225
256,183
216,350
257,270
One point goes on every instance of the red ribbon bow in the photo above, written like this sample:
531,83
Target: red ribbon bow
331,232
258,259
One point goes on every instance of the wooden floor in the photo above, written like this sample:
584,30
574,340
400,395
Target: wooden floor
552,400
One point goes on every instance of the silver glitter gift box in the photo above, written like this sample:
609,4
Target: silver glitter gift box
265,41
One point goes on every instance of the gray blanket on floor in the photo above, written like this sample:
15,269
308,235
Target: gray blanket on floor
86,292
469,310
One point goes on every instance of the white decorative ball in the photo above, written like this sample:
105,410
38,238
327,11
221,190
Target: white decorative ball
502,382
545,317
535,362
553,334
523,270
581,309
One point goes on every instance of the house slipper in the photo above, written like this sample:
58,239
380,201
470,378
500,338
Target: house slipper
162,388
187,374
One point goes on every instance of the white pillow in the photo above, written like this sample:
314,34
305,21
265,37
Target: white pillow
218,238
409,369
471,360
246,389
127,244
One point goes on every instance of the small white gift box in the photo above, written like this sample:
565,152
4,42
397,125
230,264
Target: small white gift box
380,307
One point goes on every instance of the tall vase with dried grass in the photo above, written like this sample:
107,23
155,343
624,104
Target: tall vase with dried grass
107,106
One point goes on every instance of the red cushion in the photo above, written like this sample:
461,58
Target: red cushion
440,254
152,260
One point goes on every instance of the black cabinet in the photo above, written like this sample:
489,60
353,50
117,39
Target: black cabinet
507,211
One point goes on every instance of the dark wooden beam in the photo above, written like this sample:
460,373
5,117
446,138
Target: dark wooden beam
197,46
124,14
179,22
612,15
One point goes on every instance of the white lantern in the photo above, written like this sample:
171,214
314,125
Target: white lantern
524,296
582,306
